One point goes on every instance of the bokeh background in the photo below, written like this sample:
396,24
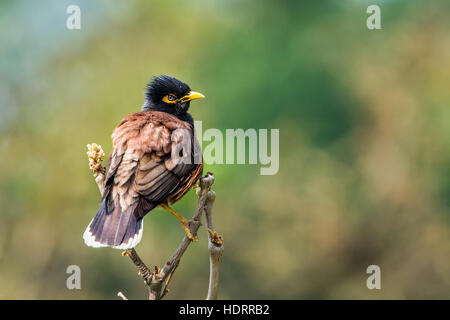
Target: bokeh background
364,120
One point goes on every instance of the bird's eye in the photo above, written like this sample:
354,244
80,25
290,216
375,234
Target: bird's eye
170,98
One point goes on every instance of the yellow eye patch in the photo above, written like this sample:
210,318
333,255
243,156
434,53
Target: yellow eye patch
169,98
192,95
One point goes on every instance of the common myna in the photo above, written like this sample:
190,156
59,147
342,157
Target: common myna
155,161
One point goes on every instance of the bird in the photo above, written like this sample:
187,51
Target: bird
156,160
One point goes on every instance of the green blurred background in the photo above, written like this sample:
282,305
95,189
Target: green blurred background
364,121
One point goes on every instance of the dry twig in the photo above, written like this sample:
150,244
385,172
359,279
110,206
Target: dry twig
215,247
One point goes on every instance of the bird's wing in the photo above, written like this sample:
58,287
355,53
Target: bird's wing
150,161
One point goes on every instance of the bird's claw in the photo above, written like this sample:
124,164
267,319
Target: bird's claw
188,232
196,184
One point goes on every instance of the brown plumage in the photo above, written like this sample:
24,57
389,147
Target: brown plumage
153,162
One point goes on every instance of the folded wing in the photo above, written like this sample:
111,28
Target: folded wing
152,162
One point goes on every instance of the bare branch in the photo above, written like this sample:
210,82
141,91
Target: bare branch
215,247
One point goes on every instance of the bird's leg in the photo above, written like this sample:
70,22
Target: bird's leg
184,222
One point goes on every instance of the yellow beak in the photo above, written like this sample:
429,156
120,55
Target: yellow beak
192,96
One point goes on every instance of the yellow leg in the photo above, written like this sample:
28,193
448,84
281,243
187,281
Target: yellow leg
184,222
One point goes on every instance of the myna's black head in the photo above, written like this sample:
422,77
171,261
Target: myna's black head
170,95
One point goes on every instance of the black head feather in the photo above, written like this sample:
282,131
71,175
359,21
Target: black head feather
161,86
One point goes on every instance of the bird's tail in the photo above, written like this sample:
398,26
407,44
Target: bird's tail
112,227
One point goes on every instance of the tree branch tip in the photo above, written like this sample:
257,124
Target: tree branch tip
215,238
207,181
211,196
